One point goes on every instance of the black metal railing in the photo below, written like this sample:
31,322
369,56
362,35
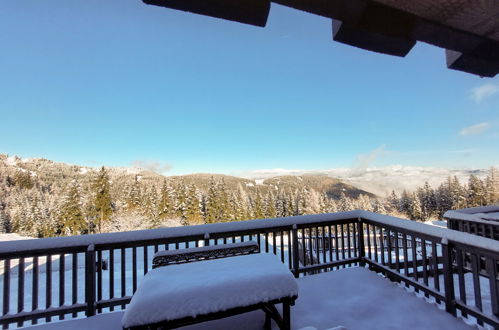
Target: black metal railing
68,277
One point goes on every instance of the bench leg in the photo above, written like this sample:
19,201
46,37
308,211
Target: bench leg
267,325
286,315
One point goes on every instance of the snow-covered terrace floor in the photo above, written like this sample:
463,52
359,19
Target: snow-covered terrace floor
355,298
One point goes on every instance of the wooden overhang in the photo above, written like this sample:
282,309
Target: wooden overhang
467,29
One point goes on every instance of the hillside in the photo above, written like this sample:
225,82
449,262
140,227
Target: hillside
39,198
331,186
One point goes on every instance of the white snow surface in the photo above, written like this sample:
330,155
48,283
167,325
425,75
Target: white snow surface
198,288
11,161
481,214
354,298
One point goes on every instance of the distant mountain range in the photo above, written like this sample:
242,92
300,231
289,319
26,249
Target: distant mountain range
381,180
353,182
48,171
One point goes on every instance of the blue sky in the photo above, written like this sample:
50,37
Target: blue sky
119,82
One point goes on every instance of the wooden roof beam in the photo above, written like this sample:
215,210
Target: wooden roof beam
253,12
374,27
372,41
472,64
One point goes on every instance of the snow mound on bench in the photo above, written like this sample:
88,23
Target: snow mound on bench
200,288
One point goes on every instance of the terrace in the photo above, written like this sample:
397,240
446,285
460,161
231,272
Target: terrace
357,269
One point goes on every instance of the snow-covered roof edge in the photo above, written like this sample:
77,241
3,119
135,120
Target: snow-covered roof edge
249,225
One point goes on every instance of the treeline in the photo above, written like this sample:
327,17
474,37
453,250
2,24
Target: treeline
428,203
31,208
96,203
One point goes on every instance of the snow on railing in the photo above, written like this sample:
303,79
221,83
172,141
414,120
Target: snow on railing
482,221
68,277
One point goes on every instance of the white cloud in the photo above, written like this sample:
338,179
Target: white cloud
152,166
478,94
364,160
475,129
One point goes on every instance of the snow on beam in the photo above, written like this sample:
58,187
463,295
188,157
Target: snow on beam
472,64
253,12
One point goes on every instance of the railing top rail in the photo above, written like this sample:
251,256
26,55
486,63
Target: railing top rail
475,214
199,232
479,209
436,232
194,232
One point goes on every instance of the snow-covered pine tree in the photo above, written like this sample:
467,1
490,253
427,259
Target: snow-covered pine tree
414,210
492,186
443,198
133,194
379,207
258,211
427,200
4,220
101,208
71,217
181,197
476,192
167,203
193,213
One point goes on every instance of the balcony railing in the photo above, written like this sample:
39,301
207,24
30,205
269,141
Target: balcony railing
68,277
467,220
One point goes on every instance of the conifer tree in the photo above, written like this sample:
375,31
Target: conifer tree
427,200
101,205
211,203
492,186
414,210
167,202
443,197
4,220
193,206
181,197
476,192
378,207
133,194
269,205
258,211
393,202
150,208
23,180
459,195
71,217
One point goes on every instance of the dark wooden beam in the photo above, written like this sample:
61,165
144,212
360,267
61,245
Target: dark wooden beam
372,41
253,12
364,24
472,64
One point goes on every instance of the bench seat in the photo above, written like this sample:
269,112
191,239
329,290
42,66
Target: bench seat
199,290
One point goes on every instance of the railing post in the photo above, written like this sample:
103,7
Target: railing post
362,252
450,299
206,239
296,259
90,283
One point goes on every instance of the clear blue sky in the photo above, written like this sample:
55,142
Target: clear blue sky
112,82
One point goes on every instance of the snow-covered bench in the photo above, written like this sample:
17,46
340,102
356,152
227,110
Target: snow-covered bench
193,292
